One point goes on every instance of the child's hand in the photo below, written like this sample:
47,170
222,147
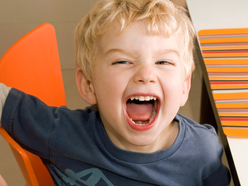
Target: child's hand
4,91
2,181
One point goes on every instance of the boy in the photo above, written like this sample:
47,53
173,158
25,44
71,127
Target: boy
133,64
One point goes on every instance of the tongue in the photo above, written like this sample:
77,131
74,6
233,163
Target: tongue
140,112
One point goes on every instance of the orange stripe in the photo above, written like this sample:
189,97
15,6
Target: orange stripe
227,78
219,47
225,55
225,61
224,40
223,31
237,132
239,95
232,114
228,86
231,105
226,70
238,123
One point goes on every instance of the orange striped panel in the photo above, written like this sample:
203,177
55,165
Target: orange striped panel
225,54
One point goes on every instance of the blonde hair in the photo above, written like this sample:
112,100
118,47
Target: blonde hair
159,17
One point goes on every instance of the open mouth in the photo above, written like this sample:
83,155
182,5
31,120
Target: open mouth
142,111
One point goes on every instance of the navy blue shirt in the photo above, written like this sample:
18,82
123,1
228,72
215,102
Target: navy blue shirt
77,151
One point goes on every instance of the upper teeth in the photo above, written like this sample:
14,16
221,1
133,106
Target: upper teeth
143,98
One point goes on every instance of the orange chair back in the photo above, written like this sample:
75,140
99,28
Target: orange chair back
32,65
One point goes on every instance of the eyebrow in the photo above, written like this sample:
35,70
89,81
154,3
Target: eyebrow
135,55
126,52
161,52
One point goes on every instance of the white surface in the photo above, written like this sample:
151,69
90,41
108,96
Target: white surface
212,14
216,14
239,149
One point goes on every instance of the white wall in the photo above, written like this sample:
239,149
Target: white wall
216,14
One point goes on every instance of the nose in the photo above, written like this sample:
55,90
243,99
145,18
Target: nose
145,74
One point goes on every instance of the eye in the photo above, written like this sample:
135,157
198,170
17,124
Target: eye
120,62
163,63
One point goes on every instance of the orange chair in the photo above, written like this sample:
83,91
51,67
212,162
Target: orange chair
32,65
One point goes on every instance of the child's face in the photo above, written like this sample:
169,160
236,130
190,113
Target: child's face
133,64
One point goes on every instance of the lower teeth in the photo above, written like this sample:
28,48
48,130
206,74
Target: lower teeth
150,120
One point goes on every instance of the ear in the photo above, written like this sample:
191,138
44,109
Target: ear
186,89
85,88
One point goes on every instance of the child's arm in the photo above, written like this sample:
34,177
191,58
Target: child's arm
4,91
2,181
